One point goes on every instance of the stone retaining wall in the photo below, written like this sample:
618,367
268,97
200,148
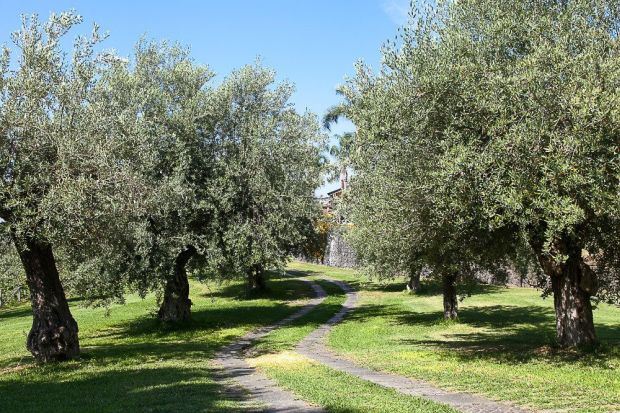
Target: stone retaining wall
338,252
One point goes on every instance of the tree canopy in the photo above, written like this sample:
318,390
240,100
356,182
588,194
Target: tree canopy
269,166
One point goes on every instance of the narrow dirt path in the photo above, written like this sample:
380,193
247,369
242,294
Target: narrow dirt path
237,375
314,347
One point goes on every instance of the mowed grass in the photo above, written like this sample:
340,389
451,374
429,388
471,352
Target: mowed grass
286,337
502,346
336,391
333,390
130,362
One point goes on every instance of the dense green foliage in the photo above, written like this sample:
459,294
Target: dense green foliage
156,100
270,166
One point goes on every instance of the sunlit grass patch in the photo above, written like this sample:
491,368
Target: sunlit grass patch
131,362
502,346
337,391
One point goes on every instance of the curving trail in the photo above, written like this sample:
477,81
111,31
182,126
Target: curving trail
231,366
314,347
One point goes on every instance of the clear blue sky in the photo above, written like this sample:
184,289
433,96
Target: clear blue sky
312,43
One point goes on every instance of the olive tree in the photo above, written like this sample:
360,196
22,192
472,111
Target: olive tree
268,167
60,186
35,98
543,144
407,215
400,227
548,147
162,101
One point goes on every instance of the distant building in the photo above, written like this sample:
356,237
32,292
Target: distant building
329,202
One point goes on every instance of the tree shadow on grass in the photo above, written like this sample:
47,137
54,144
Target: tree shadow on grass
278,288
357,283
290,335
501,333
513,334
206,321
145,365
22,310
304,273
161,389
127,367
504,333
428,287
147,336
25,310
432,286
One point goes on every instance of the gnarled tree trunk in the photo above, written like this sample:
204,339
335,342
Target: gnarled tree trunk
54,332
256,278
572,282
413,284
450,301
176,306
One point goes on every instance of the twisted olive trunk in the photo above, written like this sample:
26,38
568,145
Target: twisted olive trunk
54,332
413,284
450,301
256,278
573,283
176,306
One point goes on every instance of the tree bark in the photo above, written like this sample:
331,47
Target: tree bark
413,284
256,278
573,283
54,332
450,301
176,306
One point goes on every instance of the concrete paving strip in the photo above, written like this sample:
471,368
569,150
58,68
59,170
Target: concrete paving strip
237,375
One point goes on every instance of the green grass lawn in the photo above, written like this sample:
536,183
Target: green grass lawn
502,347
331,389
132,363
336,391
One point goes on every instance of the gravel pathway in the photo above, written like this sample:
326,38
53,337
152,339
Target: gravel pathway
238,377
314,347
